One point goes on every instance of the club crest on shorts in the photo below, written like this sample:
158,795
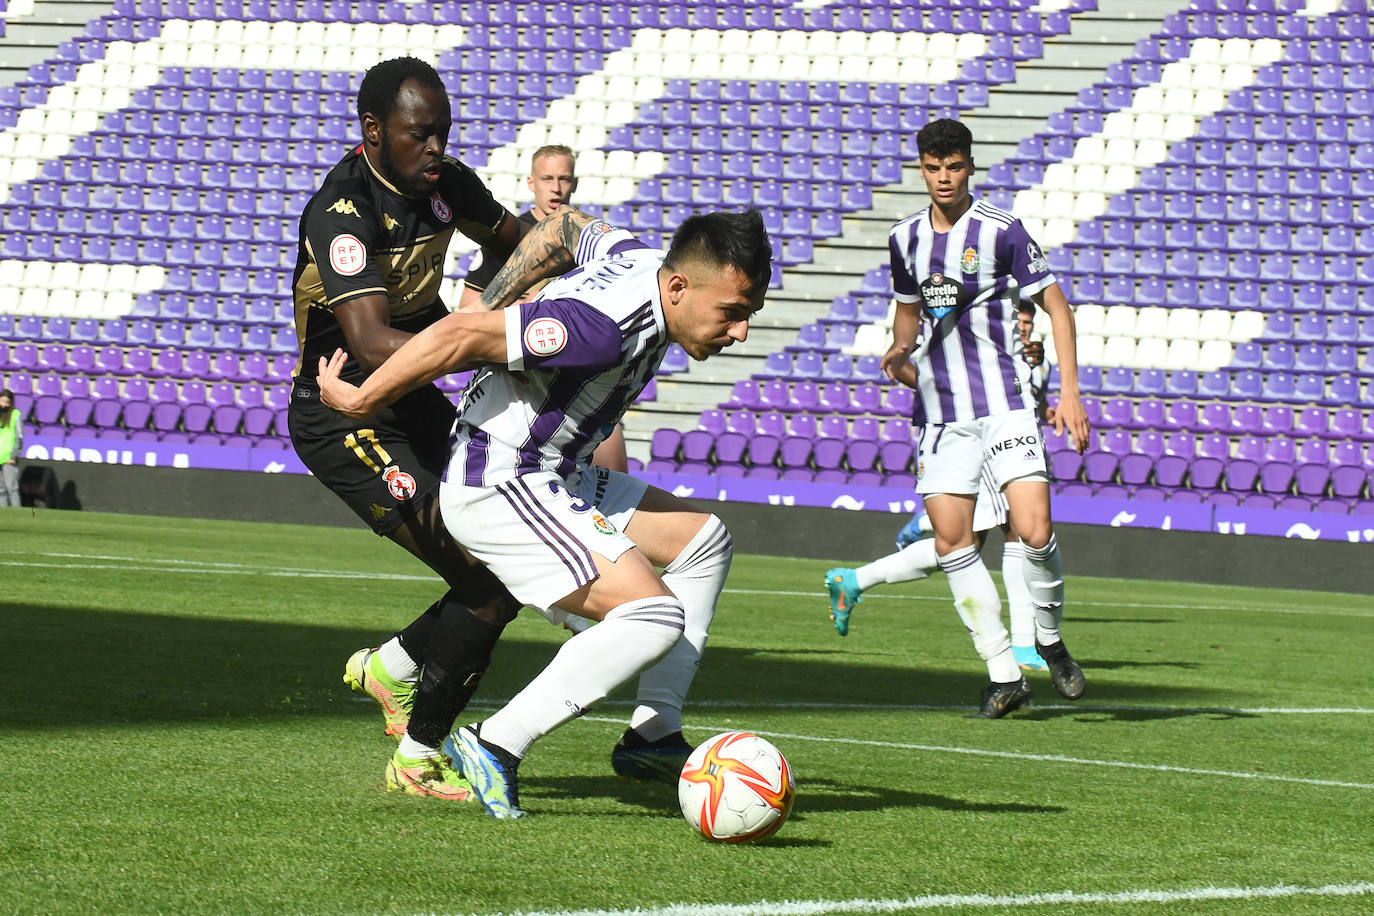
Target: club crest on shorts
399,483
440,207
545,336
602,523
347,255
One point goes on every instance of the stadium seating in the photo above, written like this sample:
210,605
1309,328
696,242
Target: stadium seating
1206,205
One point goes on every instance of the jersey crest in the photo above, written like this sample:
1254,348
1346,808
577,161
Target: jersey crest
440,207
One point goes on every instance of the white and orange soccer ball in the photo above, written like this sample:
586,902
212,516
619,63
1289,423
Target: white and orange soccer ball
736,787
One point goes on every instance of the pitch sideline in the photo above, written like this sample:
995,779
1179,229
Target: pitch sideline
988,901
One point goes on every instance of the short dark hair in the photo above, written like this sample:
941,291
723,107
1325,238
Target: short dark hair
943,138
381,84
737,240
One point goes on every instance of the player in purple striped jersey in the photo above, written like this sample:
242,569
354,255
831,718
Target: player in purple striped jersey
959,267
916,558
517,493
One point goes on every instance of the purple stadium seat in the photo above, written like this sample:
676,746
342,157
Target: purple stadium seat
1100,466
257,421
663,444
1277,420
744,393
834,397
1241,475
742,421
1135,469
1349,482
1065,465
195,418
896,457
1280,448
1311,479
1203,473
1182,444
1169,470
730,447
1276,476
827,454
712,420
166,416
1116,442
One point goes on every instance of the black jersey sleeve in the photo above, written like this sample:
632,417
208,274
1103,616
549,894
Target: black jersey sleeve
343,233
477,214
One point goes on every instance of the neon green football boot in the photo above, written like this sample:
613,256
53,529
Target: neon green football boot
365,675
430,777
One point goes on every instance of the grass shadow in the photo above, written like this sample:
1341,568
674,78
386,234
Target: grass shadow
115,669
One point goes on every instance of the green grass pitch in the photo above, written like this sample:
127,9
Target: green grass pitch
175,738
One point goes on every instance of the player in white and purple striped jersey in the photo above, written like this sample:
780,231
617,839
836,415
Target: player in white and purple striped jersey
556,372
959,267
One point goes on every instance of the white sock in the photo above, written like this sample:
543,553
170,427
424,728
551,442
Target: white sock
696,576
397,661
587,667
413,749
1019,606
975,599
912,562
1045,580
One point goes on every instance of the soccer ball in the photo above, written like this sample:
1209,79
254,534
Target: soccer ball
736,787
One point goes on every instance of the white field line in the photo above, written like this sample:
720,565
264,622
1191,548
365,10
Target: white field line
951,901
494,702
1041,758
168,564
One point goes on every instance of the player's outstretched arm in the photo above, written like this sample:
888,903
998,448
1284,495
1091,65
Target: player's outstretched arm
460,340
1070,414
547,250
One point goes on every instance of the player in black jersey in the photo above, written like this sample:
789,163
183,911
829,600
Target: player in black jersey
369,263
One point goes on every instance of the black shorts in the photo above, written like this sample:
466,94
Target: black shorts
387,467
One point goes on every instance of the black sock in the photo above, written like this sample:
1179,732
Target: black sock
458,654
415,637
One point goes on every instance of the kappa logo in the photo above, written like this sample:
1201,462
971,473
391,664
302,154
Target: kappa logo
388,222
379,512
400,484
344,207
440,208
970,261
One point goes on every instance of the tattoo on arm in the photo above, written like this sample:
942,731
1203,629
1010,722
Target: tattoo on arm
545,251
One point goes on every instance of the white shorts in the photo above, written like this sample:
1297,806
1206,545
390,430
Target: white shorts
990,511
952,457
537,533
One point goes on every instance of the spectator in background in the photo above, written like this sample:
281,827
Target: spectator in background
11,444
552,180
